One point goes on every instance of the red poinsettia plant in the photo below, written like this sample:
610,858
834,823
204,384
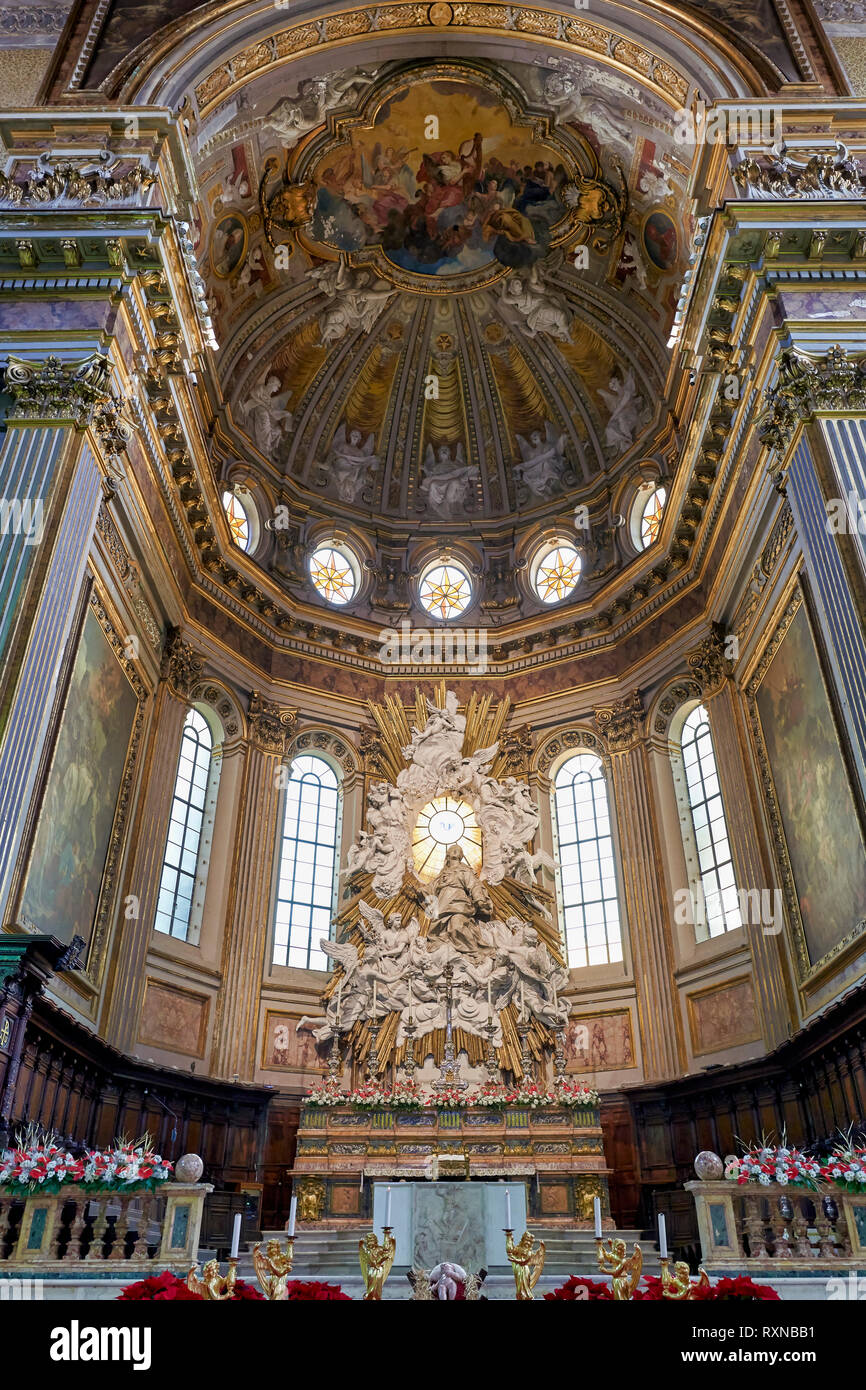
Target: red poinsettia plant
577,1289
311,1291
166,1286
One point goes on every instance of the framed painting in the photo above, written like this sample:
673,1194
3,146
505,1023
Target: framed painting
228,245
660,239
286,1049
76,845
814,814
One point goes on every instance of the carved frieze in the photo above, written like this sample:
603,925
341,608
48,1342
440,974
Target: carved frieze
823,175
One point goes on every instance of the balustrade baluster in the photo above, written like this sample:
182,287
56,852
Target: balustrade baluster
139,1249
5,1216
74,1249
100,1227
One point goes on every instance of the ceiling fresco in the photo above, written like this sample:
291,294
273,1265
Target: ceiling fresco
450,321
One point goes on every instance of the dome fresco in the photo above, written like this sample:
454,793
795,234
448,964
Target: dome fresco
442,290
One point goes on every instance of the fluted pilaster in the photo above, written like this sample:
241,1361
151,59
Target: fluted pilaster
249,913
622,725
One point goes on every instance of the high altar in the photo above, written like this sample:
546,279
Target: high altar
445,1018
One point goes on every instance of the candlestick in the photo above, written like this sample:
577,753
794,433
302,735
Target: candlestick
273,1265
236,1236
596,1208
293,1216
663,1238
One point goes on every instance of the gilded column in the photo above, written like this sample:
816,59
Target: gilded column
249,911
51,490
180,671
752,868
621,725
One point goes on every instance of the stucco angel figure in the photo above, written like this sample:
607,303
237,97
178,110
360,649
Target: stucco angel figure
295,116
541,310
357,299
383,856
351,462
447,478
543,461
626,411
264,413
527,973
385,808
442,735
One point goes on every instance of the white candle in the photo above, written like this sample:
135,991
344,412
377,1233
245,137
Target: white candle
522,1003
508,1225
663,1239
554,997
596,1207
236,1235
375,1000
410,999
293,1216
339,1000
490,1000
387,1206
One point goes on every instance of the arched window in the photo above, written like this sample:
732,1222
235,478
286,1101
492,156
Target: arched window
717,908
181,887
306,880
585,869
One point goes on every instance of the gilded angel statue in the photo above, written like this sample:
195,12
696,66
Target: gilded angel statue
376,1261
273,1265
526,1262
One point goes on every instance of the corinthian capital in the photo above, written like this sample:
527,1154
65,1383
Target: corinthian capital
621,724
180,666
54,392
807,384
708,663
271,726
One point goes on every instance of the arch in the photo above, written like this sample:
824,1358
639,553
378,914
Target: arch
214,54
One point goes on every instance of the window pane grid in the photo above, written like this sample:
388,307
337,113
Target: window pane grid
720,897
587,881
308,851
184,831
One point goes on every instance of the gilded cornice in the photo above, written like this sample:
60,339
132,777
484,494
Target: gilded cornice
72,185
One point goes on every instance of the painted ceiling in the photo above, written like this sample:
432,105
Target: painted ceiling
443,290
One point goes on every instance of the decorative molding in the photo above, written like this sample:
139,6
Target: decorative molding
324,741
570,741
85,186
181,666
841,11
564,31
823,175
807,384
271,726
224,704
671,702
128,575
621,724
124,798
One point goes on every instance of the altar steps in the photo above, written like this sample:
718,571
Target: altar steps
333,1255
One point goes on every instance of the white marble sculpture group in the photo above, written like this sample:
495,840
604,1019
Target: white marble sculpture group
492,962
